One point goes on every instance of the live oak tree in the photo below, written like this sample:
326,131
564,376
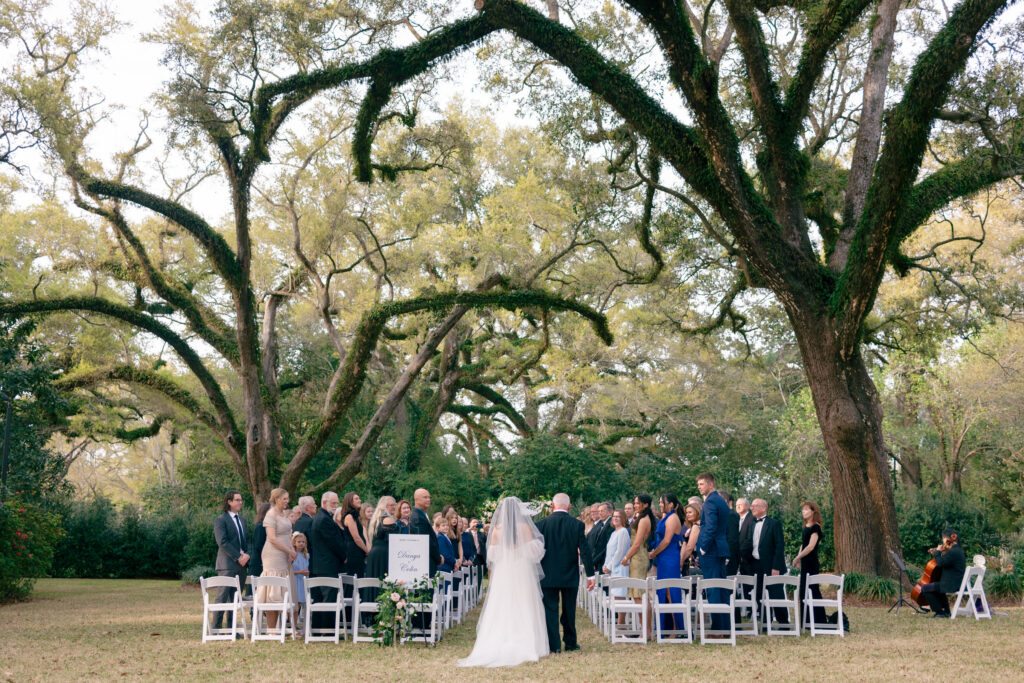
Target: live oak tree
863,204
169,273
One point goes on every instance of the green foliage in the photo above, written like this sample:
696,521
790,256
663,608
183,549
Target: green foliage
449,481
1003,585
102,541
879,589
923,515
854,583
545,465
28,534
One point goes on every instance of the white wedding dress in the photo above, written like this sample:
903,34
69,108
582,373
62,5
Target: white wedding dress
511,629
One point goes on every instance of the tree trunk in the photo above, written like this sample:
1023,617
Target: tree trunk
850,417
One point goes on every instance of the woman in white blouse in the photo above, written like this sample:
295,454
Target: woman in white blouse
618,545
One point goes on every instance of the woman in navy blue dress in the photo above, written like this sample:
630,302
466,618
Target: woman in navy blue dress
668,539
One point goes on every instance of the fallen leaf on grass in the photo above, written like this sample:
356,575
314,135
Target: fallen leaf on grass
154,634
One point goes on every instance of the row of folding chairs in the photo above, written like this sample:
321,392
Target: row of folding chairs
623,620
457,594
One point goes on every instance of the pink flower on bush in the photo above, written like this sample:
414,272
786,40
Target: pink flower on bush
400,604
395,597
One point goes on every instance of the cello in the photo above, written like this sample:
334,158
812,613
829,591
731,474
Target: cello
926,576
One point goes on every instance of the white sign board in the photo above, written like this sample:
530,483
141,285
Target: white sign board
408,557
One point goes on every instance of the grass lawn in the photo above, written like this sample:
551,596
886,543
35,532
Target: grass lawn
108,630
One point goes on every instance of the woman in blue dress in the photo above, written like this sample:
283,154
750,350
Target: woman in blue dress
666,554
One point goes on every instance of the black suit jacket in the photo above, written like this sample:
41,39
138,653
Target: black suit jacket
565,548
304,524
771,548
327,546
732,537
598,540
746,543
419,524
953,563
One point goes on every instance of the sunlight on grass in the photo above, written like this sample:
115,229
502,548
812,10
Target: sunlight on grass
102,630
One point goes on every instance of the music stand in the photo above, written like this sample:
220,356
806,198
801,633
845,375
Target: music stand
901,571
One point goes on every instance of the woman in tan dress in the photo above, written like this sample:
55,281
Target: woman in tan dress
278,553
636,557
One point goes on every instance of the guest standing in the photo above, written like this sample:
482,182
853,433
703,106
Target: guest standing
304,525
767,555
327,553
615,550
355,539
300,569
732,536
278,553
807,559
444,546
746,535
691,526
404,516
599,535
382,525
587,517
420,524
666,554
232,535
636,557
713,544
259,539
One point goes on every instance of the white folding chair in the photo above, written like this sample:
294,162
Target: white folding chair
679,610
746,588
335,607
810,603
470,587
247,599
361,607
464,590
635,628
582,599
234,608
432,607
446,599
972,594
603,600
790,587
285,625
705,608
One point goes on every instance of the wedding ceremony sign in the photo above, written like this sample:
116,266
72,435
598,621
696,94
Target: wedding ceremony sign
408,557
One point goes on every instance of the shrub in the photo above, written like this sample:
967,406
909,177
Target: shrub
923,515
27,538
879,588
854,583
1004,585
191,576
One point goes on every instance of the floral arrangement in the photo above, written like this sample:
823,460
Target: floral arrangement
490,505
395,608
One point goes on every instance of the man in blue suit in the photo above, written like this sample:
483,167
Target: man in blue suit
713,542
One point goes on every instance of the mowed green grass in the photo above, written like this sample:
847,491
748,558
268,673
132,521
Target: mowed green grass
79,630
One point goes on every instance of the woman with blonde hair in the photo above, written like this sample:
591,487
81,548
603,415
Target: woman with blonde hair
691,526
382,525
278,553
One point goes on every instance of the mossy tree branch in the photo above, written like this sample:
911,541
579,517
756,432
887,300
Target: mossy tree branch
225,422
906,138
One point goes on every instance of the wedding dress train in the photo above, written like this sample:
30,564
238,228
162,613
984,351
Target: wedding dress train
511,629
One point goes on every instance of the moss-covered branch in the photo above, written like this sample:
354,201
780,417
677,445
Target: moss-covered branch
906,137
225,422
500,404
214,245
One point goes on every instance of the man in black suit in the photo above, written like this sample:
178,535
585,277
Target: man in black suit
732,537
474,543
598,537
419,523
326,553
565,548
232,534
304,524
951,563
746,536
767,555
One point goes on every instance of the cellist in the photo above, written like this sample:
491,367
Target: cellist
947,575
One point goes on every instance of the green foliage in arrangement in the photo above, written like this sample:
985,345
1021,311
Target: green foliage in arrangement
28,534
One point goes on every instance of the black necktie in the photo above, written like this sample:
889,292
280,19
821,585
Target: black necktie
241,534
760,519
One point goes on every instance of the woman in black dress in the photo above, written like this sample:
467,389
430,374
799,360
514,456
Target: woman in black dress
382,525
807,559
355,539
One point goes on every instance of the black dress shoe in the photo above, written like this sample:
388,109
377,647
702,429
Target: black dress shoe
940,615
574,648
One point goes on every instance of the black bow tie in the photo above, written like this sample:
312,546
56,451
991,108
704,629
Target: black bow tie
760,519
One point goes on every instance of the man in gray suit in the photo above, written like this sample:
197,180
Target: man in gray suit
232,534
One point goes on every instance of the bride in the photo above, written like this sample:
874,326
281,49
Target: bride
511,629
